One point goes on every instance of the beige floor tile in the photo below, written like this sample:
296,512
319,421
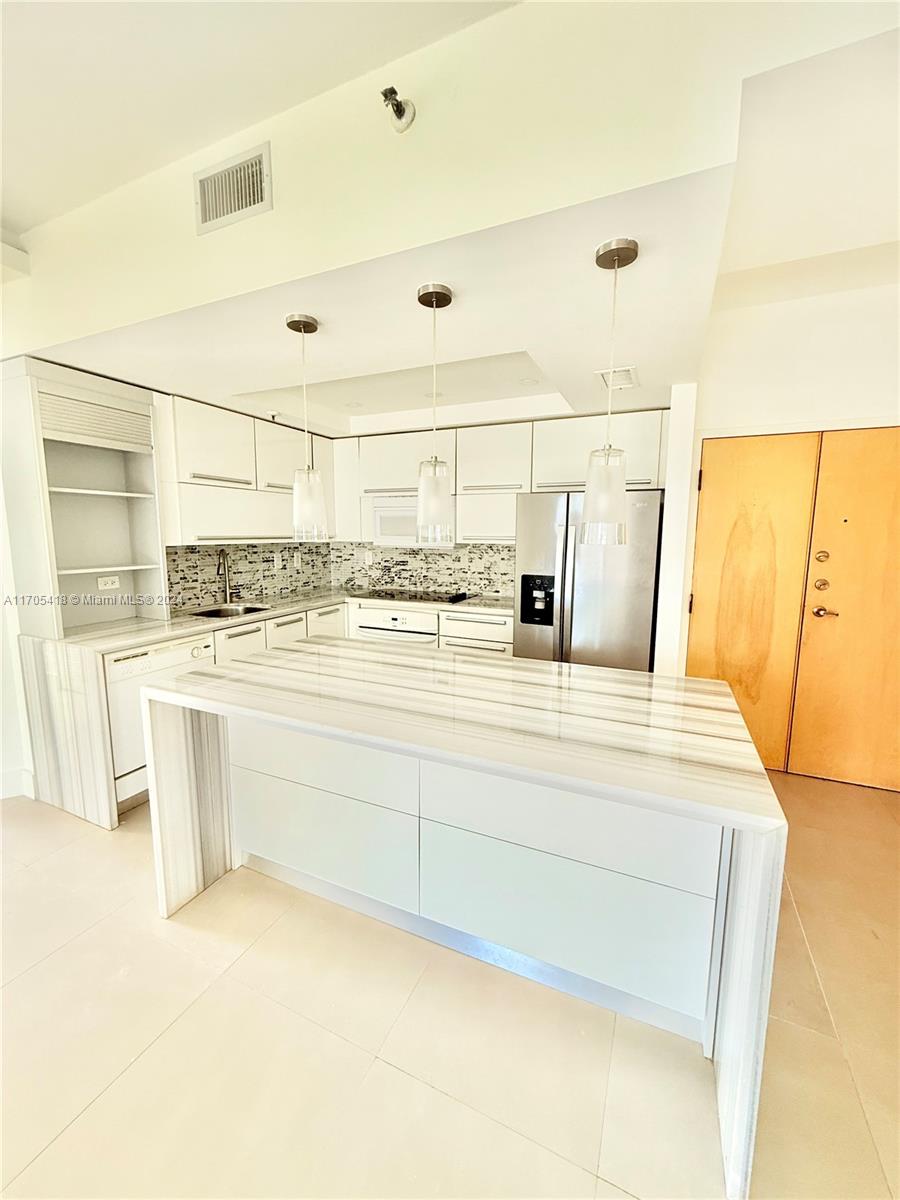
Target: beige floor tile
604,1190
796,994
876,1072
528,1056
226,1103
401,1138
351,974
857,878
660,1131
838,808
30,830
74,1021
813,1140
221,922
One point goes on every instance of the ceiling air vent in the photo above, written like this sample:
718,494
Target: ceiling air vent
623,377
232,190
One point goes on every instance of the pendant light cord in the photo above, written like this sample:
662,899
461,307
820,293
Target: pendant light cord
305,404
434,380
612,356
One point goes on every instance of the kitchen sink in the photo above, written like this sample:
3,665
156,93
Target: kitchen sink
229,610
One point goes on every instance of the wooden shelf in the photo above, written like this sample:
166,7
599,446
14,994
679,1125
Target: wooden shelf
102,570
70,491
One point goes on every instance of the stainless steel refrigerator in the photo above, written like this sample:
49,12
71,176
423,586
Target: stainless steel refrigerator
586,604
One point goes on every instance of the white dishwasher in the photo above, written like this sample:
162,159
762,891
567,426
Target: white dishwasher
126,673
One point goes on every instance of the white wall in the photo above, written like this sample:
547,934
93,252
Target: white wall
16,776
519,114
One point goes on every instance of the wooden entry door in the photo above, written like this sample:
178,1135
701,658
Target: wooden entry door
749,575
846,721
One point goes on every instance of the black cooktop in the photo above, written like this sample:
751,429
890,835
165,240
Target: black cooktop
402,594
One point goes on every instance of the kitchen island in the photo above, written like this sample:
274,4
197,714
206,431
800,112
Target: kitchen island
607,832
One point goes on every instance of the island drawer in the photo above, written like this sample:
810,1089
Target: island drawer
376,776
370,850
676,851
640,938
486,627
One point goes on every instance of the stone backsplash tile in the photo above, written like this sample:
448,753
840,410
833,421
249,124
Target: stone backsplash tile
267,571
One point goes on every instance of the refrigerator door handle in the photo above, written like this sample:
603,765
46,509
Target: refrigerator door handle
561,609
568,589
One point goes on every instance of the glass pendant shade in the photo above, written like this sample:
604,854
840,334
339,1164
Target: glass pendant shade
603,514
434,511
310,518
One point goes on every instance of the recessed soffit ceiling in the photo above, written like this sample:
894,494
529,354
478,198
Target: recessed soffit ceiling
183,75
527,287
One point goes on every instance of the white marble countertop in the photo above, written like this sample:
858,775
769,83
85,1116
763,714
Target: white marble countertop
671,744
111,636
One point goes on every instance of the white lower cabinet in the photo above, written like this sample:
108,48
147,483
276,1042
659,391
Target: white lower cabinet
238,642
483,627
640,938
367,849
486,518
282,630
328,621
472,646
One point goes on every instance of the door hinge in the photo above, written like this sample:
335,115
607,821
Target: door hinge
699,479
691,603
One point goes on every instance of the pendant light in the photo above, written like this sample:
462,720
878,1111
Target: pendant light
310,518
434,510
603,514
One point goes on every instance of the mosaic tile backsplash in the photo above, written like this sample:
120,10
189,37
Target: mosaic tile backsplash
268,572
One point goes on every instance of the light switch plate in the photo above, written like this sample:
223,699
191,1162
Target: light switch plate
370,558
107,583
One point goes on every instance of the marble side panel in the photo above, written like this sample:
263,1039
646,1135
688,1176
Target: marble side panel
65,694
188,778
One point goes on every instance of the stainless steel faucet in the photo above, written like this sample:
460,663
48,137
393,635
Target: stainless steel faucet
223,569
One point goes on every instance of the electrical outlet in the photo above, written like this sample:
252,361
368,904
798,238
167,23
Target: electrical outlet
277,560
107,583
370,558
296,560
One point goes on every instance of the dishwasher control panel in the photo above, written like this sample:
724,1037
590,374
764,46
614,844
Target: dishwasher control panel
128,664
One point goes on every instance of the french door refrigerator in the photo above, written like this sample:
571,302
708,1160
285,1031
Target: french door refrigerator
586,604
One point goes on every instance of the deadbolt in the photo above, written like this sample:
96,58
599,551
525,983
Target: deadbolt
824,612
821,584
822,556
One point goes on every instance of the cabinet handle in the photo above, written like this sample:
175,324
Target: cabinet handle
501,649
563,483
487,537
492,487
244,632
284,487
290,621
220,478
324,612
477,620
245,537
638,480
394,491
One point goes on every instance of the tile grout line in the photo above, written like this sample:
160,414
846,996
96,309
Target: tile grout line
68,942
840,1042
612,1043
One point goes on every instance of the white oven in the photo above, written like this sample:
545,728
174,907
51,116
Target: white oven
389,519
373,623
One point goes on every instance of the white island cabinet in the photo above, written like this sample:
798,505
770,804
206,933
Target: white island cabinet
609,833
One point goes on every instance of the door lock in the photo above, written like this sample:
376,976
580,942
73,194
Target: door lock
824,612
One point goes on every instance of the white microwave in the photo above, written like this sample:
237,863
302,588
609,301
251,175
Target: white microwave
389,519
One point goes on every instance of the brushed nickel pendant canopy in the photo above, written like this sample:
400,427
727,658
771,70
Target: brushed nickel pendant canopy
301,323
434,295
617,252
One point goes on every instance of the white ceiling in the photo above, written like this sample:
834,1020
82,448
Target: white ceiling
530,287
179,81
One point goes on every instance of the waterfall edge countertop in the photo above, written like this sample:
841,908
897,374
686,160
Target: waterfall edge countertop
131,632
672,744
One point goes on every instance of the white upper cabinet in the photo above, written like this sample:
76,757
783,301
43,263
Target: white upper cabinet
214,445
280,451
494,458
347,516
215,514
562,447
323,461
486,517
390,462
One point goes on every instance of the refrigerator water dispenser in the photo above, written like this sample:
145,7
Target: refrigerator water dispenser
536,606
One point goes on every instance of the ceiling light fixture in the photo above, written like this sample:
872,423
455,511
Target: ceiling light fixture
603,514
310,519
434,510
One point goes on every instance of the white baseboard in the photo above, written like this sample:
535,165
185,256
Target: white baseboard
17,782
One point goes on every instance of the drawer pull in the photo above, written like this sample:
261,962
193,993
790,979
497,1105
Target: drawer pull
290,621
477,620
325,612
492,487
220,478
244,632
501,649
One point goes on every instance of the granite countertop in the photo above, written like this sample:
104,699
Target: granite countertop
110,636
677,745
